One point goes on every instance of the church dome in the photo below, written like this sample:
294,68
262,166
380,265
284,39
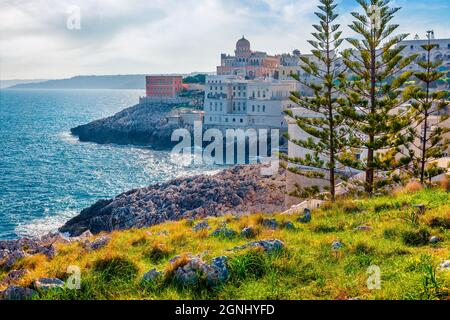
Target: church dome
243,44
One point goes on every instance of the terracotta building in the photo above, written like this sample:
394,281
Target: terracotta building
247,63
162,86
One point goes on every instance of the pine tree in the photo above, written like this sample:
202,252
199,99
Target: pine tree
374,95
325,128
426,105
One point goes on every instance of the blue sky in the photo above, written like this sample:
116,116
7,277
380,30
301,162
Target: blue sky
168,36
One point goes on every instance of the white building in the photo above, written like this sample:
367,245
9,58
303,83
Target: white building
441,52
233,102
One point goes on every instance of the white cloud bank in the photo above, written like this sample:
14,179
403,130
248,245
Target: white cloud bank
136,36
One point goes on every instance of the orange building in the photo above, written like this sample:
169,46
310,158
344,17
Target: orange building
247,63
162,86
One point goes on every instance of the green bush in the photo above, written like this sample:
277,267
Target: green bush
116,268
252,264
416,238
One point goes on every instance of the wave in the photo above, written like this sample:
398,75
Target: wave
68,137
41,226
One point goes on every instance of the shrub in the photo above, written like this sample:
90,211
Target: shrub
440,222
116,268
325,228
416,237
157,252
253,263
445,183
362,248
390,233
350,207
413,187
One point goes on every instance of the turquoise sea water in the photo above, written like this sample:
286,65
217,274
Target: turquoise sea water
48,176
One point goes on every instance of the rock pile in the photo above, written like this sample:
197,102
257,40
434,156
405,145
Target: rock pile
237,190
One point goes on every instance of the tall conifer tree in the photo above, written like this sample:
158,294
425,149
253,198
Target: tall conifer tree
427,112
324,128
374,94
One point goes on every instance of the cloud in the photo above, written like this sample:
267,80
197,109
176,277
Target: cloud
156,36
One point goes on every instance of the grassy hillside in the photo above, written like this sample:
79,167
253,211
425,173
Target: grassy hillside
308,268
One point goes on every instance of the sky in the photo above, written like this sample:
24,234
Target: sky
44,39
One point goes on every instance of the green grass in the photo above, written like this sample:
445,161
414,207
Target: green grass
306,269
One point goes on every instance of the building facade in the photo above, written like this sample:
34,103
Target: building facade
247,63
163,86
441,52
235,102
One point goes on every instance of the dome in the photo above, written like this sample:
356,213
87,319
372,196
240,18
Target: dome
243,44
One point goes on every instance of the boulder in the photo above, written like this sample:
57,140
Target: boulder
269,246
336,245
288,225
445,265
364,228
45,284
151,275
435,239
248,232
203,225
14,276
305,217
10,258
18,293
196,270
100,242
270,223
224,232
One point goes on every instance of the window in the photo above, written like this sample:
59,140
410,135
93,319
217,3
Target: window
234,119
264,108
241,120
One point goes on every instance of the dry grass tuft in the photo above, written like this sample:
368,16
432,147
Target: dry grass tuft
445,183
413,187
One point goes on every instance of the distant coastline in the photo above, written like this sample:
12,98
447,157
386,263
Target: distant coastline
126,81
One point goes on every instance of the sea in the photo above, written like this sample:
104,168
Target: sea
48,176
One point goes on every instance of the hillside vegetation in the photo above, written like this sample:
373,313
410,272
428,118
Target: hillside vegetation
326,258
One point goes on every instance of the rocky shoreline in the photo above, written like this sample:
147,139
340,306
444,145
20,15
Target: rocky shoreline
237,190
142,124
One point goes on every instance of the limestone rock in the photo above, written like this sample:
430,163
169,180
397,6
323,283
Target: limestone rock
445,265
336,245
435,239
270,223
18,293
203,225
305,217
151,275
364,228
44,284
248,232
237,190
14,276
269,246
224,232
100,242
196,270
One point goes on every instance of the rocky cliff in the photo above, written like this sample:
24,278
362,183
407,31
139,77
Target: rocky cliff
142,124
237,190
